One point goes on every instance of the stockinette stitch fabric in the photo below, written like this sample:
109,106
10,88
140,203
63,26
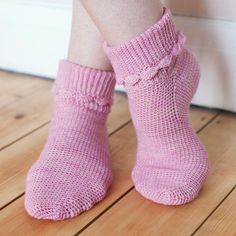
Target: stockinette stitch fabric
73,171
161,76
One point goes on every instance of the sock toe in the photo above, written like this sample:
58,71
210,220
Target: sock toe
167,196
42,211
176,190
56,207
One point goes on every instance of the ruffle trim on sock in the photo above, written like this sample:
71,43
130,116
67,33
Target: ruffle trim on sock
78,98
149,72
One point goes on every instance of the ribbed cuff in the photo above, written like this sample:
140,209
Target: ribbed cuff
85,86
146,50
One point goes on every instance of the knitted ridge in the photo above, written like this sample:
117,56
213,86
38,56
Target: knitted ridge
149,72
78,98
161,40
83,86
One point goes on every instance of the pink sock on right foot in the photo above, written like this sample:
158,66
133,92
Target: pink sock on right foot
161,77
73,171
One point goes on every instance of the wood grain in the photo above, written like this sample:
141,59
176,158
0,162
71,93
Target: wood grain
25,107
223,221
200,116
134,215
123,144
119,112
15,87
19,118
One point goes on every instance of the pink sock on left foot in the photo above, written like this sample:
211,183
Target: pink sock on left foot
161,77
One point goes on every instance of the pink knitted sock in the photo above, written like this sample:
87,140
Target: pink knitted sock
161,77
73,171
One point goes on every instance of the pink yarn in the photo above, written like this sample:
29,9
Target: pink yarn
161,77
73,171
151,71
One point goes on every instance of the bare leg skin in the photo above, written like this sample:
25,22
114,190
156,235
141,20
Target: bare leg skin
86,41
121,20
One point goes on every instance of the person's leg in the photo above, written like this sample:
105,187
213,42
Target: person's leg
121,20
160,77
73,171
85,46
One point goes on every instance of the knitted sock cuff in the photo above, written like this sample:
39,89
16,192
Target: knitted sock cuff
81,85
152,49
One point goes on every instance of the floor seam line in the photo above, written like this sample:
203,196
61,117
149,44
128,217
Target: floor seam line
208,122
212,212
120,127
10,202
25,135
104,211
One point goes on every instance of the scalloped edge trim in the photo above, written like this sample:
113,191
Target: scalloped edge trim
79,98
150,72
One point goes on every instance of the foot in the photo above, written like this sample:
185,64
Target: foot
171,164
73,171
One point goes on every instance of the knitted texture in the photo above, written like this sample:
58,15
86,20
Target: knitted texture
161,77
73,171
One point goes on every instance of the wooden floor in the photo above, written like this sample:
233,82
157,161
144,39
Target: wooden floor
25,110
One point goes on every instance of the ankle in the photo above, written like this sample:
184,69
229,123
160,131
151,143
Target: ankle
84,86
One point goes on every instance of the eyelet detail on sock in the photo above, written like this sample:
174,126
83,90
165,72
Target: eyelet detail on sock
80,99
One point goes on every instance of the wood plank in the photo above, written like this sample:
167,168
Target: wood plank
14,219
119,112
223,221
15,87
200,116
25,105
16,159
148,218
21,117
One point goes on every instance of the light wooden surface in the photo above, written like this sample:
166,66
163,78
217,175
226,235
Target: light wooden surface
223,220
123,211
